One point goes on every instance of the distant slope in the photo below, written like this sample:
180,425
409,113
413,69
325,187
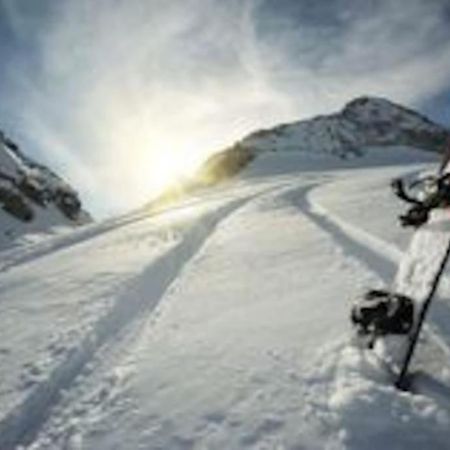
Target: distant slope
364,122
33,199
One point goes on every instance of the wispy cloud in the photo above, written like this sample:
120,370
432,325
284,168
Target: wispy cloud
108,89
346,47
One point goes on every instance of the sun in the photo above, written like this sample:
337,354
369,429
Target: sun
171,168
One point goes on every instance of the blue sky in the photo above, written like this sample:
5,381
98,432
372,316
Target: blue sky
111,93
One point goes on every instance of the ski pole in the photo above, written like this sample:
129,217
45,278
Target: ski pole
401,380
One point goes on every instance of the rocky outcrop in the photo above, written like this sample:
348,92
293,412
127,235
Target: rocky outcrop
32,197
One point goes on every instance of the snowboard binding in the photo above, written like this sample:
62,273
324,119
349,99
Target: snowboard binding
435,193
381,312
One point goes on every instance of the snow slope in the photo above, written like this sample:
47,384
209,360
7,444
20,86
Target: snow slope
222,324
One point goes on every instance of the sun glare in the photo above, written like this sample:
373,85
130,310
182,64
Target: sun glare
171,168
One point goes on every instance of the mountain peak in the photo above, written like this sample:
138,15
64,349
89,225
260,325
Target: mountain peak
369,101
381,109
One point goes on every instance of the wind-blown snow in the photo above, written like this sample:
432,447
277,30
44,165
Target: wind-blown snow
222,324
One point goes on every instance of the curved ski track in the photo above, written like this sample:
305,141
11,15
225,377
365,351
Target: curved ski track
86,390
13,257
379,256
24,422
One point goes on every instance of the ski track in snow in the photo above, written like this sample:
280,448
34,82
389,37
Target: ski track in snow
22,424
89,393
12,257
375,261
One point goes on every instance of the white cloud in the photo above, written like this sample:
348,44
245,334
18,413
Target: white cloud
121,86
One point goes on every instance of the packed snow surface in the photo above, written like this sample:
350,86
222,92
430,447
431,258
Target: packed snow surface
222,323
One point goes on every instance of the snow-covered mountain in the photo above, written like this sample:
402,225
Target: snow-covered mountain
364,123
33,199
